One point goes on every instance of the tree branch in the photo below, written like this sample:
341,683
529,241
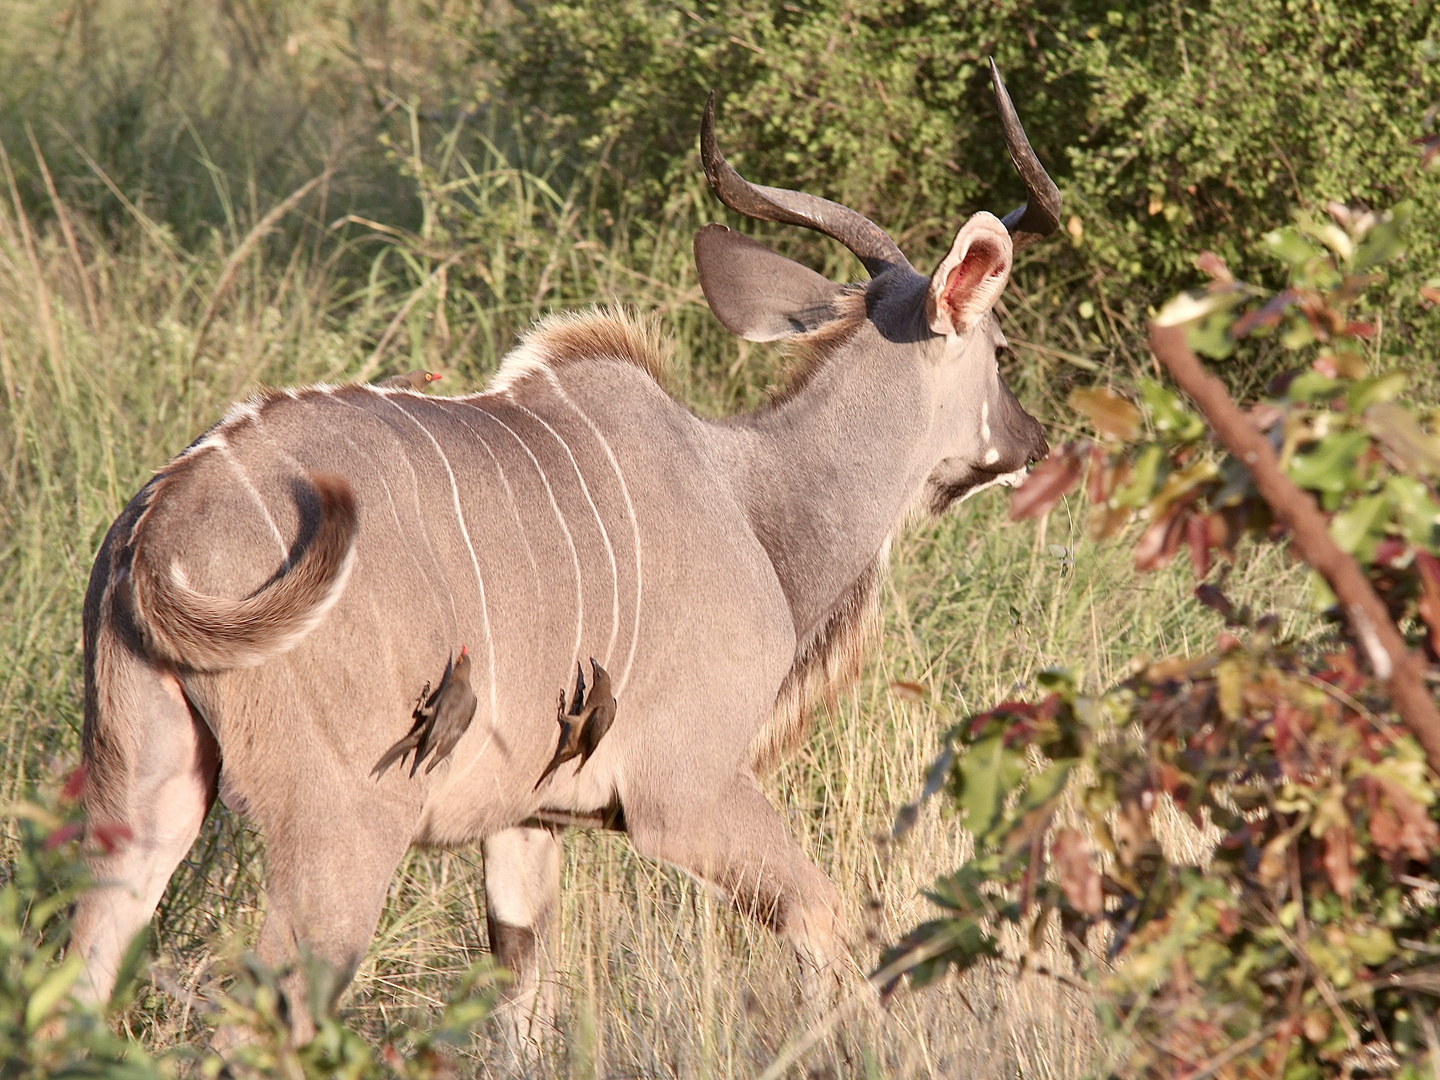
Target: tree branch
1400,669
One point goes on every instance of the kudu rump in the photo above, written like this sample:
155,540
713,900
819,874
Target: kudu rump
262,616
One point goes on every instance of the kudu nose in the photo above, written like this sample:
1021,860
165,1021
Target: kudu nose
1039,446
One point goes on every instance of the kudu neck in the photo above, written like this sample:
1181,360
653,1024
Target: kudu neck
830,472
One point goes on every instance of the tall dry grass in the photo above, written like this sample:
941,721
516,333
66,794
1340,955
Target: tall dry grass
118,347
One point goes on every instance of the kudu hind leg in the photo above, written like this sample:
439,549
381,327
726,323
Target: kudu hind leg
151,766
522,901
328,865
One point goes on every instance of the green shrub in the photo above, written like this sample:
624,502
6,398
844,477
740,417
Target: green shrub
1301,938
1170,128
45,1033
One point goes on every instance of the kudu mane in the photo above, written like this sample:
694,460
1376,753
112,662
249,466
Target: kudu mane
570,337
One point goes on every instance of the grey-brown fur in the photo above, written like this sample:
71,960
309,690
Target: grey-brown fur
723,573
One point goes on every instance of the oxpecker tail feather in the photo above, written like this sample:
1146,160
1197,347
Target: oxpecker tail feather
213,633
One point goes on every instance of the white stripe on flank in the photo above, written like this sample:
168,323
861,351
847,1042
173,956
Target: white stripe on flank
604,532
419,511
224,449
514,508
400,532
574,555
629,509
475,562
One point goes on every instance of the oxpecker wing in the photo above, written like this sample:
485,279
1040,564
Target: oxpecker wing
599,712
439,722
585,724
453,707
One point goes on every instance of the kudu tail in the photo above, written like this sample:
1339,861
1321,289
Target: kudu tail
213,633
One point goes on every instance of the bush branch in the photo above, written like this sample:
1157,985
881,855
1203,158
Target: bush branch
1402,671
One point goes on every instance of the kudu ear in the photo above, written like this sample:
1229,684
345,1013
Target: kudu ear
757,294
971,277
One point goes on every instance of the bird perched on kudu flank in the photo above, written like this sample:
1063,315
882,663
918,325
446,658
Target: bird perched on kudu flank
582,728
411,380
440,719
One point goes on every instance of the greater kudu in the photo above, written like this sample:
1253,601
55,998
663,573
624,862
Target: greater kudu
261,616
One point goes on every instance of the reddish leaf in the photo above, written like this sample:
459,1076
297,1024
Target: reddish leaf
1174,783
64,834
1047,483
1428,293
1360,329
1207,262
1267,315
907,691
1106,521
1415,831
1109,413
1159,542
1215,600
1076,870
1338,859
1228,920
1102,478
1385,831
1429,568
1197,534
74,784
1389,551
1263,416
1290,726
1430,146
111,835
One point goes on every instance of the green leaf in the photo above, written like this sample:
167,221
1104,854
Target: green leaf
1291,247
1415,509
1058,680
52,990
1300,334
1359,525
1310,385
958,943
1045,785
1210,336
1385,241
1367,392
1330,466
1169,414
1144,476
960,891
988,772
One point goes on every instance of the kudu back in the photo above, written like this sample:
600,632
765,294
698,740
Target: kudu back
264,614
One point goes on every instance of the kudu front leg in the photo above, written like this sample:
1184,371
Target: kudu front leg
522,902
735,842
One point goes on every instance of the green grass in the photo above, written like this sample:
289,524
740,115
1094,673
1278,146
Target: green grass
122,338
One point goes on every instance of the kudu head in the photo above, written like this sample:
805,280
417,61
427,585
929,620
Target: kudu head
980,434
